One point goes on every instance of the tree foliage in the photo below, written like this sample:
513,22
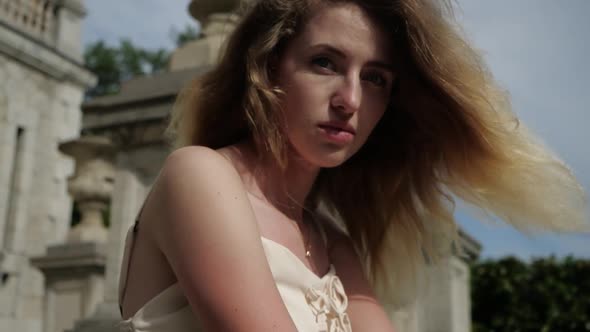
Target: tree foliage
115,64
545,295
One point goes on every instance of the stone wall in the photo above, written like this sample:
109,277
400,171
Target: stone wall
36,113
41,89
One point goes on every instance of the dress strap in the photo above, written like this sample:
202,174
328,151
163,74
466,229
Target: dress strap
124,275
128,254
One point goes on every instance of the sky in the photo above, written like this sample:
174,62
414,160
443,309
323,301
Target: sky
539,50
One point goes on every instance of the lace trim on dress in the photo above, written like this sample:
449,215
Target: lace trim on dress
328,303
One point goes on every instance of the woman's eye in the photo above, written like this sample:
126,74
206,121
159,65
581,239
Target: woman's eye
323,62
376,79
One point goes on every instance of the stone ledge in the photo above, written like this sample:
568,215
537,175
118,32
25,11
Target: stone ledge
39,56
71,259
128,115
106,318
144,89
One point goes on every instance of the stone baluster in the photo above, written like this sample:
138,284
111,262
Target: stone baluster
36,17
17,9
91,186
48,21
36,12
68,27
218,19
129,192
73,296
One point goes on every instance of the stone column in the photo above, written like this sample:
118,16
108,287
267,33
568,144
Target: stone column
68,29
74,271
91,186
129,192
218,21
406,320
74,283
447,304
444,304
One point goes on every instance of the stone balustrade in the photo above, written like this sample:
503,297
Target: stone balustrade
34,17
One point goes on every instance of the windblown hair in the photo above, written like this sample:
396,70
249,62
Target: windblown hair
448,132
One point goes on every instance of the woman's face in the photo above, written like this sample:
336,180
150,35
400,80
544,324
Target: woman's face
337,77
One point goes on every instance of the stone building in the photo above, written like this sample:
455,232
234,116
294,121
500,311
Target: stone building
106,152
42,82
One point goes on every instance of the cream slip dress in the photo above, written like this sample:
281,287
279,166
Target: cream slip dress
315,304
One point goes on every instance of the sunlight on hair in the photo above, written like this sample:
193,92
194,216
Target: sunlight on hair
449,131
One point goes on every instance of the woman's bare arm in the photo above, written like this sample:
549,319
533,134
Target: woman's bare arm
203,223
364,310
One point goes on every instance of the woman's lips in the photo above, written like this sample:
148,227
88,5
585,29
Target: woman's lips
342,126
337,133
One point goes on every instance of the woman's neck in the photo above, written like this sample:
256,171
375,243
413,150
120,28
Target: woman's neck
286,189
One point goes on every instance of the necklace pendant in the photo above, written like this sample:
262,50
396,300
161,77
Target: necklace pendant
307,253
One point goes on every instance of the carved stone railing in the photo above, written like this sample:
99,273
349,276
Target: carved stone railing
34,17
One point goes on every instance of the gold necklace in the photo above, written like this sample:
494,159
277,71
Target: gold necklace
306,238
308,247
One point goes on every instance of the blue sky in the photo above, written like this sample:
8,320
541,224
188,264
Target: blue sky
538,49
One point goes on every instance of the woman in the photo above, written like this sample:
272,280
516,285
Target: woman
317,166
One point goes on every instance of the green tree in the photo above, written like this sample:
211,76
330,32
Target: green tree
102,61
545,295
113,65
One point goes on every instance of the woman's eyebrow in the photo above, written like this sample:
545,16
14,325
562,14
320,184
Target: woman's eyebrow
337,52
329,49
382,65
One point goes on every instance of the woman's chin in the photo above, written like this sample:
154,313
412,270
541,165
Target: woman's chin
325,156
332,160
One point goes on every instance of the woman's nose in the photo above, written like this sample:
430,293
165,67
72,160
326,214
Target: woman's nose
348,95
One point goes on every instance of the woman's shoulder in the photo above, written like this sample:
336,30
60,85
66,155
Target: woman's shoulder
205,160
205,227
202,157
198,168
194,183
